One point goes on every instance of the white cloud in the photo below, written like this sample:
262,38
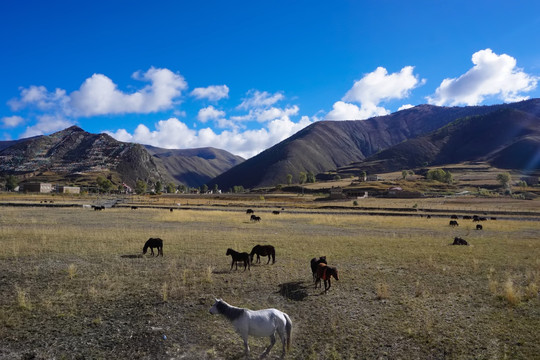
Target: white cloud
347,111
212,93
259,99
491,75
405,107
12,121
371,90
173,133
266,115
46,124
41,98
210,113
98,95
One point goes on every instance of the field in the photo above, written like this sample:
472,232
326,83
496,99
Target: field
73,284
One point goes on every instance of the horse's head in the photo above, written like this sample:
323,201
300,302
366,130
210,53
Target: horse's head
333,272
229,251
214,309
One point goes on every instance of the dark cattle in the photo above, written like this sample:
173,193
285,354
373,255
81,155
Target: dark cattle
314,263
255,218
249,211
475,218
453,223
275,212
482,219
429,216
479,227
325,272
98,207
493,218
453,217
263,250
153,243
467,217
134,208
239,257
459,241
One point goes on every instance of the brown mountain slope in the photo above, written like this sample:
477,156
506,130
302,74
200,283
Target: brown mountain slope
328,145
194,167
506,138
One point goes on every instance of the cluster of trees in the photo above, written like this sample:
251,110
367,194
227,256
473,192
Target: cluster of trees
440,175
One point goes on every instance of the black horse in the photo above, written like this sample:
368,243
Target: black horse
263,250
255,218
325,272
239,257
153,243
314,263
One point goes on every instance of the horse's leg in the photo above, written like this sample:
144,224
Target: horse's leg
272,342
268,259
246,346
329,284
232,264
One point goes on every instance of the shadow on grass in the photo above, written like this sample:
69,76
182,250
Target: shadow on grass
138,256
294,290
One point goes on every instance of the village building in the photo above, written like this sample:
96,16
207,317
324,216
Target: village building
37,187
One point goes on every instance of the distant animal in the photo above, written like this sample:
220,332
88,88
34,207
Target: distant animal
98,207
314,263
263,250
153,243
467,217
255,218
459,241
482,219
250,211
171,209
239,257
475,218
275,212
429,216
260,323
453,217
493,218
134,208
479,227
325,273
453,223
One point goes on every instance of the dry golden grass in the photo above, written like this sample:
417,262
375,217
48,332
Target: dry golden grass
66,290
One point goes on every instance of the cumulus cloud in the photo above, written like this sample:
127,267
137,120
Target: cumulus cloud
46,124
491,75
259,99
266,115
173,133
374,88
212,93
12,121
40,98
98,95
210,113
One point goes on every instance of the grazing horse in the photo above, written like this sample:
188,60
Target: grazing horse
314,263
260,323
153,243
459,241
275,212
239,257
255,218
453,223
479,227
263,250
250,211
325,272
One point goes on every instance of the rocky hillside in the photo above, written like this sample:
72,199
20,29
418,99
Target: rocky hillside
328,145
76,156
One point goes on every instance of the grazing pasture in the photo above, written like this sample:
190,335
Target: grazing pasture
72,284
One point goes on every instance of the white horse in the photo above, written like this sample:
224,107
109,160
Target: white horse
260,323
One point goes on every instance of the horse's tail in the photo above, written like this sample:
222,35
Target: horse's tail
273,255
288,329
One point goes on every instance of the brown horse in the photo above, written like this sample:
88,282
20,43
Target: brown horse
239,257
315,263
263,250
325,272
154,243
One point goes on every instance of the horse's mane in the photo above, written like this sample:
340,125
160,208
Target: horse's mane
229,311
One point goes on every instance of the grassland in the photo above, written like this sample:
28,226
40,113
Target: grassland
72,284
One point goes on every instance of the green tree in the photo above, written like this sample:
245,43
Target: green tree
302,177
311,177
182,188
337,177
140,187
104,185
504,179
404,174
11,183
363,175
289,179
158,187
204,189
216,188
171,188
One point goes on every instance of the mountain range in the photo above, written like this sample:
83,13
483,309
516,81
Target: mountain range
504,135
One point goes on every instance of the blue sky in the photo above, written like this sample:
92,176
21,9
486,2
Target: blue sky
244,75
